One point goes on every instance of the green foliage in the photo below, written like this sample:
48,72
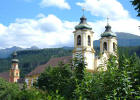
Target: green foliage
31,94
136,3
79,67
121,81
57,78
8,91
117,83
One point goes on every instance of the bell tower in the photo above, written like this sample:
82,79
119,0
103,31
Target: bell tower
14,71
83,43
108,41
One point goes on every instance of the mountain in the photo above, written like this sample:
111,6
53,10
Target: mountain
67,48
4,53
124,39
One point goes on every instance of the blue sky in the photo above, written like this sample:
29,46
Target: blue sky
12,9
49,23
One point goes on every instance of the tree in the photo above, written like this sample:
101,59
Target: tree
57,78
31,94
8,91
136,3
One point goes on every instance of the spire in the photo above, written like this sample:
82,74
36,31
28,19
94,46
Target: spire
108,27
83,9
107,20
83,22
83,18
108,32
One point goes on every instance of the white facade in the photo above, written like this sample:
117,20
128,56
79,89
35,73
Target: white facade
83,45
111,44
85,48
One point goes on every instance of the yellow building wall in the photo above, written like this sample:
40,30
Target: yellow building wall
31,79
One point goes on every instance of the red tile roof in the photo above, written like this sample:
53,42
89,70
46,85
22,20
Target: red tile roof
52,62
5,75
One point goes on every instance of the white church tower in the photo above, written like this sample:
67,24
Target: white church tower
108,46
83,43
108,41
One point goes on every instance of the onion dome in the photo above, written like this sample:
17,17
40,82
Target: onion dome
108,32
83,24
14,58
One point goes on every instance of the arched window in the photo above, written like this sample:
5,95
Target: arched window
114,46
105,46
78,40
89,41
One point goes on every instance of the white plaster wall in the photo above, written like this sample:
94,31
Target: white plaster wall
109,41
102,62
89,59
14,66
84,50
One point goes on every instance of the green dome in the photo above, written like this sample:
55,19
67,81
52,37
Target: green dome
108,32
83,24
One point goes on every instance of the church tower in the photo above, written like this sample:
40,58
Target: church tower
108,41
83,43
14,71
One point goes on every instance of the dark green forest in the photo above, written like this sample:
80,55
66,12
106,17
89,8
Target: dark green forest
29,59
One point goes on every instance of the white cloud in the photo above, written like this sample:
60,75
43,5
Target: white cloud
121,25
50,31
104,8
57,3
43,32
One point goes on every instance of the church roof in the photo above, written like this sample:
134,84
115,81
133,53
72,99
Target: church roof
83,24
108,32
52,62
5,75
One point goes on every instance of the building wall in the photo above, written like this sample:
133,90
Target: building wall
84,49
31,79
109,41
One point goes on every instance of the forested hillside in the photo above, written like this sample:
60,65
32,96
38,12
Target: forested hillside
29,59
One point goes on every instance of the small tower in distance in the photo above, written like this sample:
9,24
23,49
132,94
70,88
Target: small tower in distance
14,73
108,41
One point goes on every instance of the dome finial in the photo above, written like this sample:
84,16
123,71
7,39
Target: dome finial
107,20
83,9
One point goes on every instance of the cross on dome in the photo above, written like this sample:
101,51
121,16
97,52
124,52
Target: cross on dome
107,20
83,9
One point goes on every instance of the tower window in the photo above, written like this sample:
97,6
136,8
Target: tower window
78,40
89,41
114,46
105,46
